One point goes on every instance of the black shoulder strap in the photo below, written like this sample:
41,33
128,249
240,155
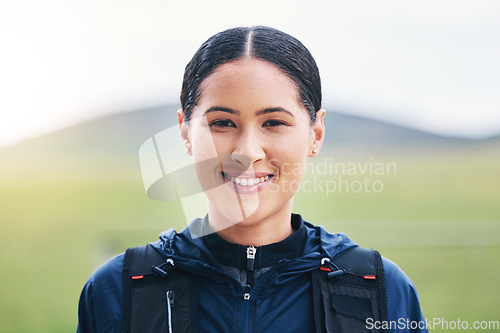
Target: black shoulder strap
381,290
346,301
357,261
319,313
156,303
141,259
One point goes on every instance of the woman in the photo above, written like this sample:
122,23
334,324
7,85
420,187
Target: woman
251,98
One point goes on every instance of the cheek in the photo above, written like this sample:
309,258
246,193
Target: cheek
207,144
202,143
290,160
294,146
291,167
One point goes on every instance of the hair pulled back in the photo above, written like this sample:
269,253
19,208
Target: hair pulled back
271,45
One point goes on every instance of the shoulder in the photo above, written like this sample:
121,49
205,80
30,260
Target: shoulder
101,300
395,276
109,273
402,298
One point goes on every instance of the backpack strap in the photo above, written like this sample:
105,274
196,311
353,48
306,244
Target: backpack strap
319,312
346,300
381,291
357,261
141,259
155,302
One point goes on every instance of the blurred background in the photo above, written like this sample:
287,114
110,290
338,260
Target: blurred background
412,85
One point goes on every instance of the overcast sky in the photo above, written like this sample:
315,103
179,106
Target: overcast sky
432,65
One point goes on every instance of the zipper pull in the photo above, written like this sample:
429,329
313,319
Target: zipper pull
170,298
246,294
251,250
170,304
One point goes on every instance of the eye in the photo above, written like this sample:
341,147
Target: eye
222,123
274,123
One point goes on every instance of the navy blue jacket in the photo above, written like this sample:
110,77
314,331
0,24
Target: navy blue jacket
281,300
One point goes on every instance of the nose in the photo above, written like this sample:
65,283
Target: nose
248,147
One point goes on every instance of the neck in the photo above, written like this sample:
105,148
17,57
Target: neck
254,230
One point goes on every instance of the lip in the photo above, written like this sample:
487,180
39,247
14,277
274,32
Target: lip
247,175
239,189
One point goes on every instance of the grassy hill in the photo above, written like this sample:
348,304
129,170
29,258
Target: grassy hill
75,197
124,132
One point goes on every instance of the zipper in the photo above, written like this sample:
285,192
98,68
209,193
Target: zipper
246,295
207,268
170,304
251,251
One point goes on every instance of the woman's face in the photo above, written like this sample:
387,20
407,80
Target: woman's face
253,136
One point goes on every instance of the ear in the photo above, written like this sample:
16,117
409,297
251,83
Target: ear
183,126
318,133
184,130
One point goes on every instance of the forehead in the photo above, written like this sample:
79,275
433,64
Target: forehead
248,80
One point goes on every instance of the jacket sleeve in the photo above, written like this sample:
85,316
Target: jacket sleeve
404,313
101,300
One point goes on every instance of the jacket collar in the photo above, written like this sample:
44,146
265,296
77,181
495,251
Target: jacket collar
234,255
317,243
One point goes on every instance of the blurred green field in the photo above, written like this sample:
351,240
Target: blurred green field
438,217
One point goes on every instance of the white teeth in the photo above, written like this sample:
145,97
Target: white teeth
247,181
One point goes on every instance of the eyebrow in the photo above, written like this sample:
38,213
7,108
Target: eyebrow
271,110
221,108
258,113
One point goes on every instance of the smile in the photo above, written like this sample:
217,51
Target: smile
248,182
